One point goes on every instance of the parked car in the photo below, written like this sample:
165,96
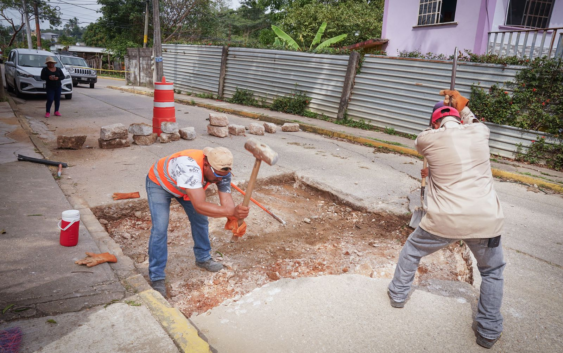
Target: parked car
23,72
79,70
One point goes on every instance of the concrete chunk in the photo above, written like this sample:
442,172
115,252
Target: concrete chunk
165,138
141,129
188,133
143,140
70,142
112,132
237,130
219,131
218,119
256,129
115,143
270,128
290,127
169,128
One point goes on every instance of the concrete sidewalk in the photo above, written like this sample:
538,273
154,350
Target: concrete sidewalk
39,280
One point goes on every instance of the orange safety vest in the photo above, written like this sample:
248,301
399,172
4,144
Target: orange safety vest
159,172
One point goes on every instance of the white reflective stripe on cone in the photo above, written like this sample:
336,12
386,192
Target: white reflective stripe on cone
164,87
163,104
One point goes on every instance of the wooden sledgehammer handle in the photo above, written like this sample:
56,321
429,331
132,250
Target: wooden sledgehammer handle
250,187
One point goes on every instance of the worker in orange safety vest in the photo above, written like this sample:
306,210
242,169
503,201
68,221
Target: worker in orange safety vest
185,176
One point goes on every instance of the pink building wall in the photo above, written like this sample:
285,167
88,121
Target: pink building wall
474,19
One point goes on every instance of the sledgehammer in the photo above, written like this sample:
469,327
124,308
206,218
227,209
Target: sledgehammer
262,153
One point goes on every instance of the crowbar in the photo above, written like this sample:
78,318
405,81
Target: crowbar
259,205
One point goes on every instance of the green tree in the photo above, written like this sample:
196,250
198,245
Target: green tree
359,19
9,7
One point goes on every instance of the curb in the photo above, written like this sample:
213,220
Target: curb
345,136
111,78
182,332
175,323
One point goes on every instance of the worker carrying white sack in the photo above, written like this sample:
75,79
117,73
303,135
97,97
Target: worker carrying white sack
462,205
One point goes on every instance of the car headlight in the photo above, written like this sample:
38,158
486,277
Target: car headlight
67,76
92,72
24,74
71,70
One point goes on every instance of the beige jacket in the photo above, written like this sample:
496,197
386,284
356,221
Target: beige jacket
462,202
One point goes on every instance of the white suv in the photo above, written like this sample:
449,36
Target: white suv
23,72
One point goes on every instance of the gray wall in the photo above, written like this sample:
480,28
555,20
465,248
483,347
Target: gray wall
138,64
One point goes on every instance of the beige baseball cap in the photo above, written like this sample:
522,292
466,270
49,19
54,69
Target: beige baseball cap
50,60
219,157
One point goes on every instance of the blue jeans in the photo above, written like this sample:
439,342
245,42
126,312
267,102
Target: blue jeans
490,262
159,204
53,94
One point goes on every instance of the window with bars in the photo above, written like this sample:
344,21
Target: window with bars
529,13
436,11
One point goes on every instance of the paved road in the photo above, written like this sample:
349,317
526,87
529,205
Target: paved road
533,239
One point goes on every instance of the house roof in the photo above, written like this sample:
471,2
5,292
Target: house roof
367,44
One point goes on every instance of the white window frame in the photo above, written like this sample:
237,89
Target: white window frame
427,15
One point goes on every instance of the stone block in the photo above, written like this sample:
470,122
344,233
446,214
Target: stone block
256,129
237,130
165,138
270,128
169,128
188,133
290,127
219,131
218,119
141,129
70,142
111,144
145,140
113,132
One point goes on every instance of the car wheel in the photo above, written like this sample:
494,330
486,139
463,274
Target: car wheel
91,85
17,90
68,96
8,87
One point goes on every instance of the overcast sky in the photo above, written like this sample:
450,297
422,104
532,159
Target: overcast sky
84,10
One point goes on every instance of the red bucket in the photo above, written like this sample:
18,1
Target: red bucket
69,227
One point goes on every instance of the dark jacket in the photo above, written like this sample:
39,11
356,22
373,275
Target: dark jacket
45,73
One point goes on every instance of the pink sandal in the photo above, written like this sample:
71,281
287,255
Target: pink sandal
47,115
57,114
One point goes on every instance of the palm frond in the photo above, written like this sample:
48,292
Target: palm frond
285,37
331,41
319,35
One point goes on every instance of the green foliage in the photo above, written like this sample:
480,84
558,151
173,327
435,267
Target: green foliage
467,56
267,37
205,95
390,131
12,11
285,37
244,97
541,152
536,101
295,103
360,20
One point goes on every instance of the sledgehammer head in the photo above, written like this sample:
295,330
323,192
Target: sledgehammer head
261,151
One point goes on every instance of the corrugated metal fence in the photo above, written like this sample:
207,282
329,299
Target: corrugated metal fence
276,73
192,68
399,93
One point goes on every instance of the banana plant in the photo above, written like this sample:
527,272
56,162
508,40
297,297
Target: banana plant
293,44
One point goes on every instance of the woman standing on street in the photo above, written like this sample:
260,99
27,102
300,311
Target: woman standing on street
53,75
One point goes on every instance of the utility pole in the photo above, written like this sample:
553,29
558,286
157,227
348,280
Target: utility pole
37,29
27,28
146,36
157,45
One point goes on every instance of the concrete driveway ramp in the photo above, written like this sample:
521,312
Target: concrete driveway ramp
348,313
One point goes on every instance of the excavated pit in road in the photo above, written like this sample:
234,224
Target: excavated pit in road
323,236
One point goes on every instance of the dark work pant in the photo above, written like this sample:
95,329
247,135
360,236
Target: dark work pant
53,94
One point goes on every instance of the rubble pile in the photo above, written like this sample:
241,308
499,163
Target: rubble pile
218,125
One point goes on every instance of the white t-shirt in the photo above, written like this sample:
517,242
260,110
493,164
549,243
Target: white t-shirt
188,174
